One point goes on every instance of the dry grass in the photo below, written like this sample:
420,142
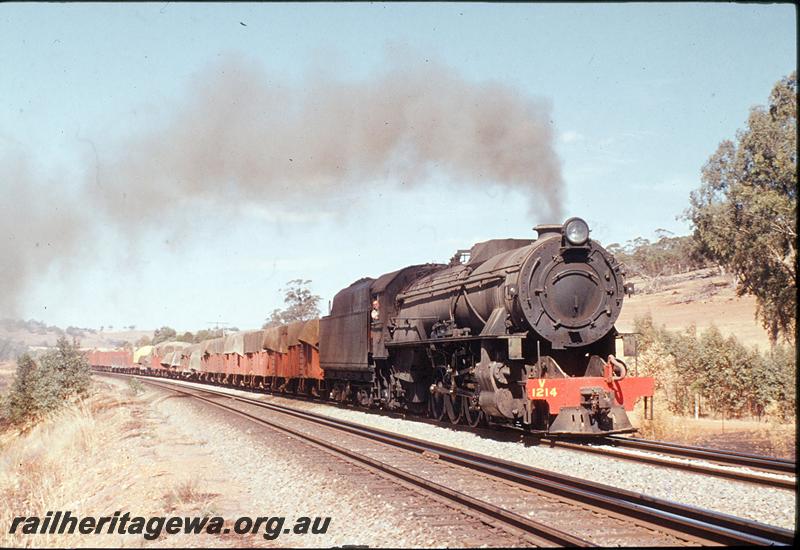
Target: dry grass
662,427
699,299
186,496
37,468
97,456
766,437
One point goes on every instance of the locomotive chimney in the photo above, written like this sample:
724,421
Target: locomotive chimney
546,229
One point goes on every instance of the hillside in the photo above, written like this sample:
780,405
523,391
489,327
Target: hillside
36,334
702,297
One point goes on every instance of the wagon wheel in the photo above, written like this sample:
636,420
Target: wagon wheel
364,398
455,410
436,403
472,417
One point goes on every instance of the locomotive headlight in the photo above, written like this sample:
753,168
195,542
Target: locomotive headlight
577,231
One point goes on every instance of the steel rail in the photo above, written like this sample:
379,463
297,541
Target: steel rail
712,526
748,477
725,458
722,456
719,456
539,530
783,466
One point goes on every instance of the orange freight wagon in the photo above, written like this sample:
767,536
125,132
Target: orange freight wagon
212,354
295,357
254,361
275,348
233,351
309,338
121,359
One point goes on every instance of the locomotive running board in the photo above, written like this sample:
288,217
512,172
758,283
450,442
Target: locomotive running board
454,339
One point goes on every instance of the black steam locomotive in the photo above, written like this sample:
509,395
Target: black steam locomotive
514,331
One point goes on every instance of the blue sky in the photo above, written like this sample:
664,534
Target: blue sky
641,94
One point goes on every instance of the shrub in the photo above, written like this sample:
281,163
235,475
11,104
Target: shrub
19,399
782,362
44,386
135,386
729,377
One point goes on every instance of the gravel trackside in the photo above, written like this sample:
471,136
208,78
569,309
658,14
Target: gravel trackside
255,471
765,504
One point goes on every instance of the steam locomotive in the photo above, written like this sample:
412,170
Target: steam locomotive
517,331
512,331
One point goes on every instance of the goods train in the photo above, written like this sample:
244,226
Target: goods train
512,331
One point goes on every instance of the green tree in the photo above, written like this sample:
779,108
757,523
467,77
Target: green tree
143,341
731,378
64,373
301,304
744,214
42,387
781,361
666,256
163,334
206,334
186,337
19,398
720,365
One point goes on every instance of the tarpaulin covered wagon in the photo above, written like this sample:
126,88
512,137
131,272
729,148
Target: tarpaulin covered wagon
110,359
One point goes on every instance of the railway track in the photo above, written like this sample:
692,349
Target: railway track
516,530
568,511
719,456
656,453
657,449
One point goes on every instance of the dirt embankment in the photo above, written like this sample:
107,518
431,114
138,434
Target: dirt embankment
702,298
35,335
